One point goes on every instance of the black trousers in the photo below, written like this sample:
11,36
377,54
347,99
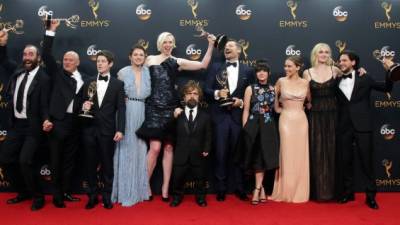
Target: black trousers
227,133
99,153
63,143
362,149
179,173
17,157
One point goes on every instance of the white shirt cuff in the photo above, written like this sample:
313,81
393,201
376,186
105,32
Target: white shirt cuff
216,94
50,33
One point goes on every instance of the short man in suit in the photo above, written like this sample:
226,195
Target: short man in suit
64,108
193,144
106,127
355,125
27,93
227,120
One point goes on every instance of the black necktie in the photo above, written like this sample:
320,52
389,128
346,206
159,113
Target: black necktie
21,91
228,64
105,78
191,120
345,76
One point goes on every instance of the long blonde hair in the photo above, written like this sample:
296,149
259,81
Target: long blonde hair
314,52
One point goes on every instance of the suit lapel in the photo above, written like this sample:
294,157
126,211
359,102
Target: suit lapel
34,82
241,77
356,84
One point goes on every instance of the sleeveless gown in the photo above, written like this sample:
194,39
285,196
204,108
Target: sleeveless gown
292,178
322,121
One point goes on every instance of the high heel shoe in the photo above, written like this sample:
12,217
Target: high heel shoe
165,199
256,196
263,199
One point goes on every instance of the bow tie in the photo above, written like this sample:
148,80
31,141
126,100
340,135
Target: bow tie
105,78
347,76
228,64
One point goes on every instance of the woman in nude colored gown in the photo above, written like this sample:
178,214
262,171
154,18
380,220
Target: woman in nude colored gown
292,181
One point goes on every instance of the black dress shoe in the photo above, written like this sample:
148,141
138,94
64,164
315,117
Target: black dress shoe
107,204
19,198
37,203
201,202
175,201
150,198
220,196
241,195
347,198
93,201
70,198
371,203
58,203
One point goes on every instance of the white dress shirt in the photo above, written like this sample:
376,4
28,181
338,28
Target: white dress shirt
102,88
347,85
187,112
79,83
32,74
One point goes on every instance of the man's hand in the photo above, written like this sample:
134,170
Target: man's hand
3,37
223,93
237,102
47,125
54,24
87,105
387,63
205,154
177,112
118,136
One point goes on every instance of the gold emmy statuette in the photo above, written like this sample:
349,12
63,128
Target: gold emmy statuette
394,70
387,7
222,80
94,6
341,45
194,5
48,15
220,39
19,24
91,92
293,6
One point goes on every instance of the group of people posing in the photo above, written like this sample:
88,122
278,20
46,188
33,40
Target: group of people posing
140,113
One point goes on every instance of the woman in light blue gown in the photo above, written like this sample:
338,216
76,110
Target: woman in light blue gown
130,183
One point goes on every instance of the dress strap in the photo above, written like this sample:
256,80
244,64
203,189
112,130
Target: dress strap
309,73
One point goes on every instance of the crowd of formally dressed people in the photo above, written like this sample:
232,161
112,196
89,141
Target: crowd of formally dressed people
303,127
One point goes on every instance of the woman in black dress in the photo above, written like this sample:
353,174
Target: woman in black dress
157,127
260,149
322,122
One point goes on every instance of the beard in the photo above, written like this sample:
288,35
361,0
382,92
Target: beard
30,64
191,103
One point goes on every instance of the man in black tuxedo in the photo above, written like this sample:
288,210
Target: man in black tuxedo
355,125
193,144
227,120
27,93
64,108
106,128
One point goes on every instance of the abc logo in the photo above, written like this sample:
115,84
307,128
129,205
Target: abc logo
45,172
142,12
243,13
193,52
386,52
3,134
340,14
291,51
387,132
92,52
42,12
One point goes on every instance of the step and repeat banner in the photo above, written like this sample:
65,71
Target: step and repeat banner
270,29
